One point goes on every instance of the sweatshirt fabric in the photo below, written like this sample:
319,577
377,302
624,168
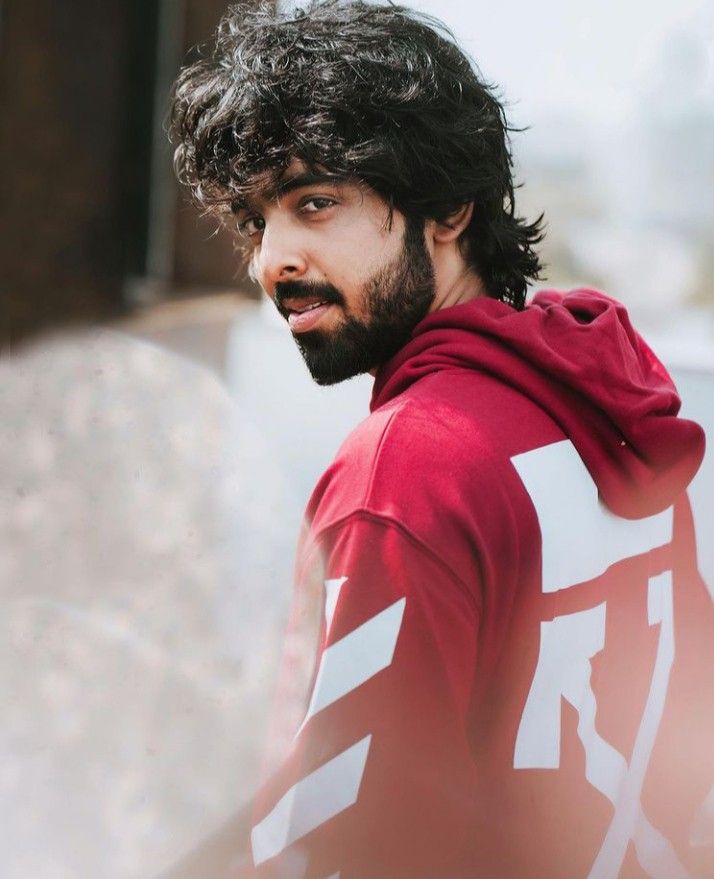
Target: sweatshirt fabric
512,643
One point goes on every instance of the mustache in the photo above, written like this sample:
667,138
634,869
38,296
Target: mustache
294,289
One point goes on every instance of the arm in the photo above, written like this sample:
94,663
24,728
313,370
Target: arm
380,781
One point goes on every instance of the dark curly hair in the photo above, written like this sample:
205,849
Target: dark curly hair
379,93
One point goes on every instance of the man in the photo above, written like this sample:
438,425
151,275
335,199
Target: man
511,674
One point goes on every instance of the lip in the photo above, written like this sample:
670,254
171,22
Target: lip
300,323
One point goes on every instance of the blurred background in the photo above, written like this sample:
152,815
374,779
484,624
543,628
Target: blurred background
160,434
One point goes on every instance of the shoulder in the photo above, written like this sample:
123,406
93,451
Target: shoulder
434,454
438,466
406,441
458,423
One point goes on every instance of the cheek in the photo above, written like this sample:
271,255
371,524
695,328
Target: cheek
353,279
365,256
355,254
344,270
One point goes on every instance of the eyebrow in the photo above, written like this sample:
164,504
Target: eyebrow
307,178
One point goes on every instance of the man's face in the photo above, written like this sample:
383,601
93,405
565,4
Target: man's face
351,286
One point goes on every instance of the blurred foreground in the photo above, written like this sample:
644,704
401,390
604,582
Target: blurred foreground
153,479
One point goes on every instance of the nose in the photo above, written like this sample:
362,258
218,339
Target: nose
281,256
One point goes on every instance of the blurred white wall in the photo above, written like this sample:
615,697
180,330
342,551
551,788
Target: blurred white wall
619,101
145,571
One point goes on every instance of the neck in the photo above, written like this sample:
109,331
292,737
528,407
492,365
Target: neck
456,284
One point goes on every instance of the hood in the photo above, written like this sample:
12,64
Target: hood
578,357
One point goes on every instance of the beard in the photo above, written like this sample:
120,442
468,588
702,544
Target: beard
395,299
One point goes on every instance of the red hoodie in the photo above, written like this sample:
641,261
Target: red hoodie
513,670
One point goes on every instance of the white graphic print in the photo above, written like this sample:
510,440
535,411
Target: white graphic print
315,799
332,595
344,666
580,538
655,854
563,671
356,658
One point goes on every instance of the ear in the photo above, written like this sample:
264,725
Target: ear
452,226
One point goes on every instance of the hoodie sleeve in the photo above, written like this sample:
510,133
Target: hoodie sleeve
380,768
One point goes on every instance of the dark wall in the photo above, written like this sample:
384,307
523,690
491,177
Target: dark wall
202,258
76,86
83,212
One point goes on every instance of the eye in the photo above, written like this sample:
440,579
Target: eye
316,203
251,226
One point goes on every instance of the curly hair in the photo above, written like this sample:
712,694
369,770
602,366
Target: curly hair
377,93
